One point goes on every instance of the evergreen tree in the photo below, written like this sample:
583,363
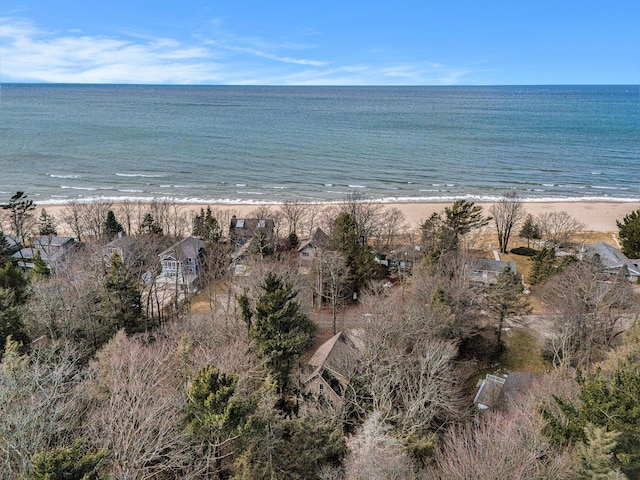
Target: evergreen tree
65,463
461,218
111,226
122,304
207,227
12,279
607,400
20,210
46,224
11,324
629,233
356,252
293,448
543,266
442,233
5,249
530,230
215,415
40,268
506,299
280,332
149,226
596,454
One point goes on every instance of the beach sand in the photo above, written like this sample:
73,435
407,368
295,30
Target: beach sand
596,216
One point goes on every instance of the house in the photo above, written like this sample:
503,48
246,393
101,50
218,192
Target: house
486,271
488,391
330,366
52,249
308,248
504,391
612,259
181,263
241,230
401,259
126,247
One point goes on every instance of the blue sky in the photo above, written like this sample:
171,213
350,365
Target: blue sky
321,42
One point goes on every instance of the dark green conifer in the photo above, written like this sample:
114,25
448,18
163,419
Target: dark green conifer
46,224
280,332
111,225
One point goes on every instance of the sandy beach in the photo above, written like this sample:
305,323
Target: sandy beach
596,216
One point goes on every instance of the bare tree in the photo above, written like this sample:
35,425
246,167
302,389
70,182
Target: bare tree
126,212
376,454
501,445
149,441
507,214
410,377
310,220
392,225
72,217
333,274
367,213
39,404
95,214
293,212
588,309
558,227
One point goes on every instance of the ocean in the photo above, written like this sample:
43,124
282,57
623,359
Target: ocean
228,144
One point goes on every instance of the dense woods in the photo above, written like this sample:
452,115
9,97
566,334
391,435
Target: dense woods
355,353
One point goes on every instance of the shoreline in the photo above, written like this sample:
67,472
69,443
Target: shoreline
597,216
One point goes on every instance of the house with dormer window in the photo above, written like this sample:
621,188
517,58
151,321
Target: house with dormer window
181,263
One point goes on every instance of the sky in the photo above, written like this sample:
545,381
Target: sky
309,42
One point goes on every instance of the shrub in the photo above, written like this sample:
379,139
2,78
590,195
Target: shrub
524,251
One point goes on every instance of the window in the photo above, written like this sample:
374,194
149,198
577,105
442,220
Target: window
240,223
261,223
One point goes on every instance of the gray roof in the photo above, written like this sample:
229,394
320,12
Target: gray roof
53,241
189,247
611,257
318,238
496,266
489,391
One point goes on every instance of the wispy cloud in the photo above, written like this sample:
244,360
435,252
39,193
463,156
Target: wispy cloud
32,54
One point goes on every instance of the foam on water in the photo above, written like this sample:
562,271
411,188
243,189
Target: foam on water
247,144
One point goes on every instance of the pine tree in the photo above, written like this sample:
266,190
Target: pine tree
506,299
608,400
122,304
20,210
356,252
206,226
11,325
461,218
5,249
629,233
66,463
149,226
215,416
543,266
280,332
46,224
40,268
596,454
12,279
111,225
530,230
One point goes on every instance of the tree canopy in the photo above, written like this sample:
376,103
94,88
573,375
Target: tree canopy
280,332
629,233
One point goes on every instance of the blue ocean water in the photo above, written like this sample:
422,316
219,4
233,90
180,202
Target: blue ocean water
260,144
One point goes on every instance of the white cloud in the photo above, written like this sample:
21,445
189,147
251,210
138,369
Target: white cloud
31,54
